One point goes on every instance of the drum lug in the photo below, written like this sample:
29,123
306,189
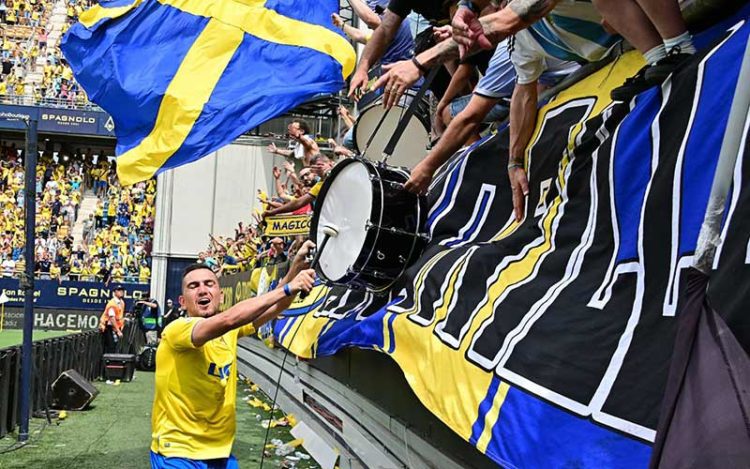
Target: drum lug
380,256
402,259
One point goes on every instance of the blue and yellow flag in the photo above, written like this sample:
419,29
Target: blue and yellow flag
182,78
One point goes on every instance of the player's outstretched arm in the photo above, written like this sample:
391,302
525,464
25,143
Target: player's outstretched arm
248,310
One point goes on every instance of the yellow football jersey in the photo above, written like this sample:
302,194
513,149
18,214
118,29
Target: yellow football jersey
196,389
315,190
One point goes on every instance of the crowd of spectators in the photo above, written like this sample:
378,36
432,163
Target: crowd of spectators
296,185
24,40
59,87
117,237
25,49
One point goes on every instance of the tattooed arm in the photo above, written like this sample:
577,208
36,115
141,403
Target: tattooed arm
376,47
530,11
518,15
400,76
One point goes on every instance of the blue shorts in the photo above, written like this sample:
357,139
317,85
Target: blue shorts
497,113
161,462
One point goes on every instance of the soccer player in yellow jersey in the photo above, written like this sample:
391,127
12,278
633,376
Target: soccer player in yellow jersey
193,418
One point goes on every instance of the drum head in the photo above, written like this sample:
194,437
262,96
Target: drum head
410,149
346,207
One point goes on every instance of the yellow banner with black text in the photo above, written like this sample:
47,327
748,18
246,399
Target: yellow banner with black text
288,225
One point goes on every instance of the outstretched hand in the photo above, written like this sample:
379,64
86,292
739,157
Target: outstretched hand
398,77
468,31
358,84
519,185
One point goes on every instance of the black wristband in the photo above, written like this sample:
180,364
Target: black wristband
419,66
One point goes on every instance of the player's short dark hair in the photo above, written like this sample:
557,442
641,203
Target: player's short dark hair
303,125
193,267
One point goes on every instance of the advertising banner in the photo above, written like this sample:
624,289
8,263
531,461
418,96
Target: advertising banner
53,319
15,117
70,294
57,120
69,121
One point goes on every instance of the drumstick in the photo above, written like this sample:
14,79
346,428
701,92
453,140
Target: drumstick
329,231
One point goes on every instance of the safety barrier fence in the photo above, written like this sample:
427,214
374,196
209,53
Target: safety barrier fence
50,357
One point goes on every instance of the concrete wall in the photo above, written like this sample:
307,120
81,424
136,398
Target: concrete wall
210,195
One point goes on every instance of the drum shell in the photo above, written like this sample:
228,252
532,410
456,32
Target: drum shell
392,242
371,114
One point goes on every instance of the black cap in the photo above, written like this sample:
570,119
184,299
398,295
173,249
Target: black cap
118,287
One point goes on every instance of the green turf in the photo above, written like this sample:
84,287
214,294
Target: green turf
10,337
115,433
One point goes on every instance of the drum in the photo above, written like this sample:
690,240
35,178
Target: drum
377,224
412,146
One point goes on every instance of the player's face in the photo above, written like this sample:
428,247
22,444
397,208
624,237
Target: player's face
201,295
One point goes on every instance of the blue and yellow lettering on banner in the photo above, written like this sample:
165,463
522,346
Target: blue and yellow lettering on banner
546,343
182,78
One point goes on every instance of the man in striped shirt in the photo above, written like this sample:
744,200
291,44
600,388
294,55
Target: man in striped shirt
565,29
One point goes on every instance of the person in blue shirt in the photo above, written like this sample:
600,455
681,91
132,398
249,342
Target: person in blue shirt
400,48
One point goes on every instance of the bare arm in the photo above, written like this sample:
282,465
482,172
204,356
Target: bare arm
348,121
458,83
309,144
291,206
522,121
370,18
291,174
216,241
238,315
293,177
458,131
518,15
380,40
279,187
357,35
272,148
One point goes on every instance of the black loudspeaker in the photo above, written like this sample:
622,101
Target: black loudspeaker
147,358
119,366
71,391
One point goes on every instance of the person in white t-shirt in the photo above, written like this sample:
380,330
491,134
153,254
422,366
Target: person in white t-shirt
304,146
9,267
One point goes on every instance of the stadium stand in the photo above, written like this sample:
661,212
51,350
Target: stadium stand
34,71
109,240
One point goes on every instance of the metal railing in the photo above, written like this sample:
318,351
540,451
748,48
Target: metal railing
50,357
79,277
26,100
